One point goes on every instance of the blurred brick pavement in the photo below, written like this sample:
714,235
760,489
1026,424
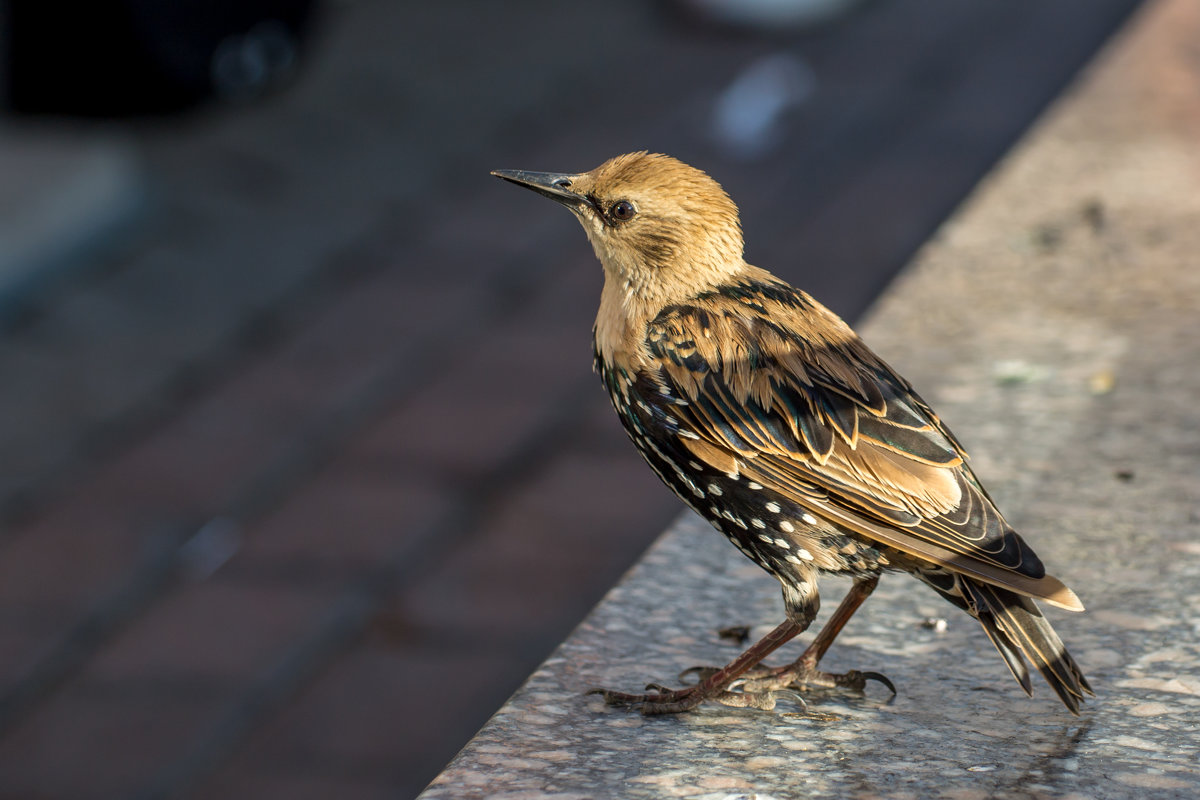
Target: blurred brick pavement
297,491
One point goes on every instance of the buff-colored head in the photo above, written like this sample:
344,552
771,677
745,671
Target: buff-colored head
663,230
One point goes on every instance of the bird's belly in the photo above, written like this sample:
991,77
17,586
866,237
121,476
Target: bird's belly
776,533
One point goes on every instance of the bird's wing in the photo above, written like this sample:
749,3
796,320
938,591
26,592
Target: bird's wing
777,388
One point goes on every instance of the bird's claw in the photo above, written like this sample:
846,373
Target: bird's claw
763,701
736,696
667,701
610,697
795,695
878,678
618,699
701,673
798,678
664,701
853,680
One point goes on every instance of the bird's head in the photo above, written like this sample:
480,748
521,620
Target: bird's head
663,230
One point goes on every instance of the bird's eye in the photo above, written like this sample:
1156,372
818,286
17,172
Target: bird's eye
622,210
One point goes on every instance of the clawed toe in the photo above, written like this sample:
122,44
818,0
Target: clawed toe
878,678
624,699
750,676
700,673
763,680
853,680
619,699
745,682
763,701
661,700
767,679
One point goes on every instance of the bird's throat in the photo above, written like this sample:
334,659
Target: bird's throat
621,316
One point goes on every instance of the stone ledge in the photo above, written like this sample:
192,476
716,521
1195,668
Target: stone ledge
1052,322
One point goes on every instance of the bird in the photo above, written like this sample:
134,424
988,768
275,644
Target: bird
768,416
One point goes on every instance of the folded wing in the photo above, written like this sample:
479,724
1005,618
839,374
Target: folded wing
822,420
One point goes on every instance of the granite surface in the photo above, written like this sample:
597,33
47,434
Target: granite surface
1054,324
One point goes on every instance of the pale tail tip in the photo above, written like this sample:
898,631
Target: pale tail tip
1064,598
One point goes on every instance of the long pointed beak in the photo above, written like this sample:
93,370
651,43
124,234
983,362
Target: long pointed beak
555,185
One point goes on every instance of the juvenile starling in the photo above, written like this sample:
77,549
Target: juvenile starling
768,416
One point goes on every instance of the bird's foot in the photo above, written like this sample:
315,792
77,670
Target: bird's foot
797,676
662,700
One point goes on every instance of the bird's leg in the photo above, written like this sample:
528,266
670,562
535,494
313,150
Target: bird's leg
715,685
803,672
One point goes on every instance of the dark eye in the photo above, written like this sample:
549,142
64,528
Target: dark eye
622,210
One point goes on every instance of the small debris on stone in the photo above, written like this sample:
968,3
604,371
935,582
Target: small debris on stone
1013,371
1094,215
1102,382
1047,238
738,634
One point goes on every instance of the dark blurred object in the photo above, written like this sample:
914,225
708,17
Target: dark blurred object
109,58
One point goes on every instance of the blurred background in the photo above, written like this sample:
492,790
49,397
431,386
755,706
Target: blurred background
302,465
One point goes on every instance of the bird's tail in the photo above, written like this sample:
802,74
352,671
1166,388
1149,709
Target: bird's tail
1019,631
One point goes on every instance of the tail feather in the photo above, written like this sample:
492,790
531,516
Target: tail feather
1009,651
1017,628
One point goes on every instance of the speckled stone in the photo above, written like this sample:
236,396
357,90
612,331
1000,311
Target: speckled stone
1055,323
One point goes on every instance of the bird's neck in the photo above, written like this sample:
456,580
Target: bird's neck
627,308
620,318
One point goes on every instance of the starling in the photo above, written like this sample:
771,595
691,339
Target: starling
767,415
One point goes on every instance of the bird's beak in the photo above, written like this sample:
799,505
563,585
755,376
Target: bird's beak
555,185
